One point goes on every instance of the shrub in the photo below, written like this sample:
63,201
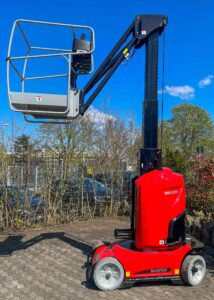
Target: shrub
200,186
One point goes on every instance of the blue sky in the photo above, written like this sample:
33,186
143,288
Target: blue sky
189,65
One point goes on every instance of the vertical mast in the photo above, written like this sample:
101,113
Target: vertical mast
150,155
150,106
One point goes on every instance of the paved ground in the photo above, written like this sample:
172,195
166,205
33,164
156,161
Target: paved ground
48,264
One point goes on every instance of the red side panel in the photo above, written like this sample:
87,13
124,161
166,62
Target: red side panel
141,264
160,198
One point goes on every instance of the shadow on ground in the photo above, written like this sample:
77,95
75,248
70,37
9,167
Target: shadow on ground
15,242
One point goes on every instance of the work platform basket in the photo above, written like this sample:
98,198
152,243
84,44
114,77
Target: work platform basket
37,51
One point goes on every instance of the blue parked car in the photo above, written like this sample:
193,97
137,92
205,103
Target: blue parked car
23,200
90,189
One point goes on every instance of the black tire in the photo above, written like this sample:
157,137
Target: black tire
177,281
193,269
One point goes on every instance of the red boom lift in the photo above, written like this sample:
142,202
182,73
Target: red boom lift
156,246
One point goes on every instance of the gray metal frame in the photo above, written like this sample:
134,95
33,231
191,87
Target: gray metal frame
72,110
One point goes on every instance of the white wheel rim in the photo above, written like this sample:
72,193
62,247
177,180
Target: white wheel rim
108,276
197,272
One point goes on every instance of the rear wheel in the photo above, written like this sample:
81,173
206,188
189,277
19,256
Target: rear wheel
108,274
193,269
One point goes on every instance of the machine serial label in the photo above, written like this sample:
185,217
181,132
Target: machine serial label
161,242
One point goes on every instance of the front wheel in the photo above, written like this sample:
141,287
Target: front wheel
108,274
193,269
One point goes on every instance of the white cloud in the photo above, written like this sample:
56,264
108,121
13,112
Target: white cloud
184,91
98,116
206,81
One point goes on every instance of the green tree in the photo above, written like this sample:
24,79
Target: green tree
23,146
190,127
175,160
24,151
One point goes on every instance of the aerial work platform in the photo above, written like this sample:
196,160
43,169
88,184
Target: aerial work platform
76,59
156,246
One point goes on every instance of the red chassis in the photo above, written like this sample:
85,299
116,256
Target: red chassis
144,265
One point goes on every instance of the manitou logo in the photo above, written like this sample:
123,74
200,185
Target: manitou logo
171,192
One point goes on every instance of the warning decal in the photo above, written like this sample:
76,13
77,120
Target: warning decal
39,98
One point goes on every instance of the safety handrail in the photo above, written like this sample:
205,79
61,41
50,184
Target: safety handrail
59,52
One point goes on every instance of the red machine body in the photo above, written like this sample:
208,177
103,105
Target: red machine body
157,251
140,265
157,204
